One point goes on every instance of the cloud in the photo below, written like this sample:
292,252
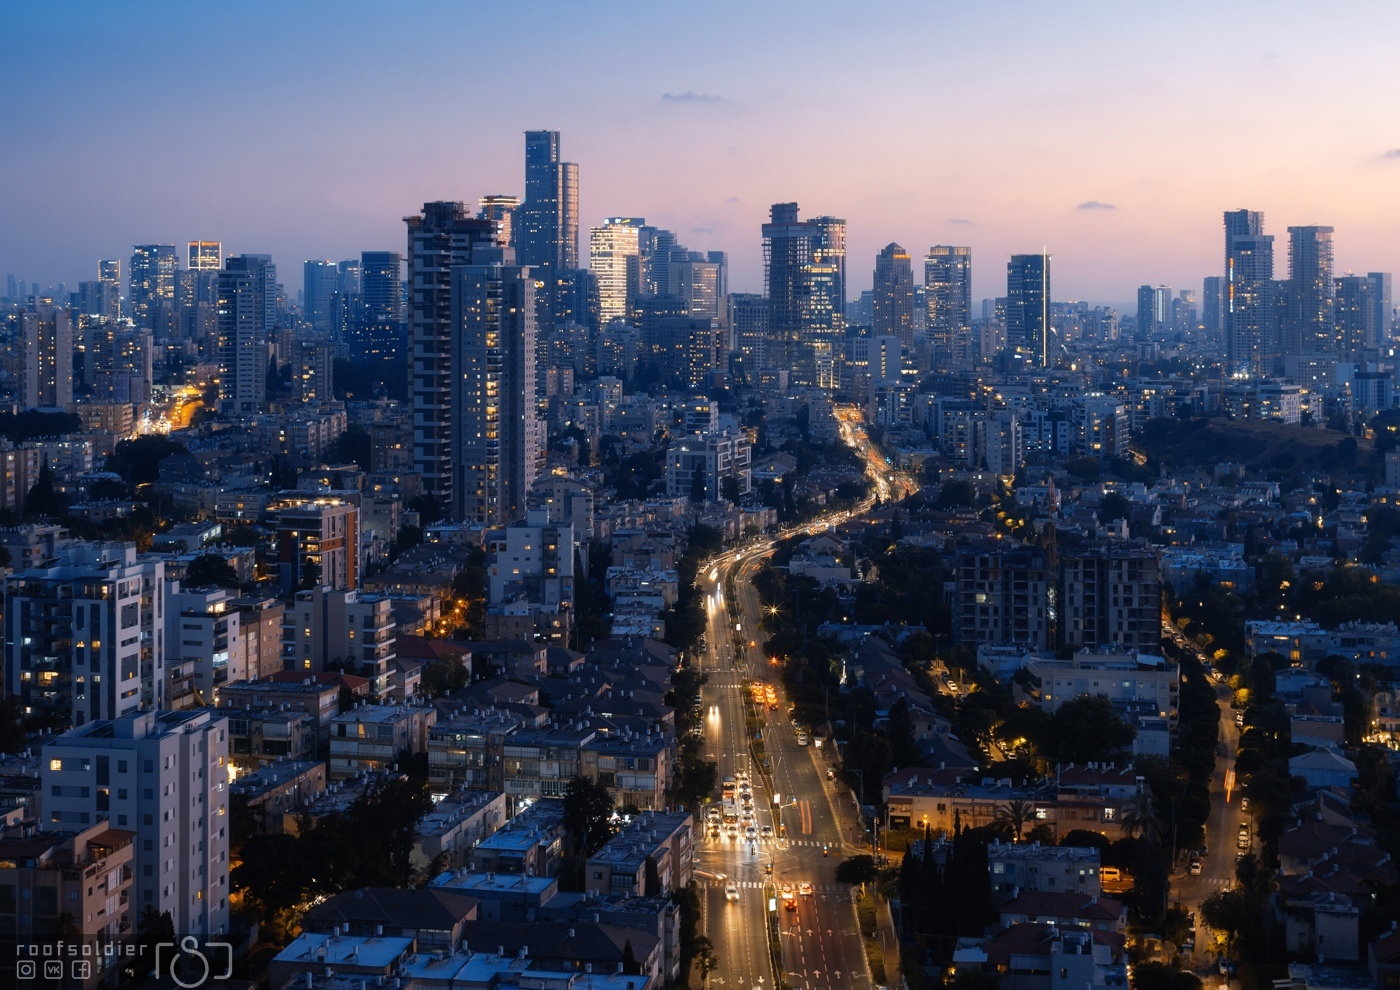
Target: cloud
732,199
1391,155
690,96
1094,204
959,221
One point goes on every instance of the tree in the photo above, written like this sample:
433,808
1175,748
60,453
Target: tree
705,959
1014,815
1083,468
1140,816
352,446
12,735
857,869
904,747
1086,728
1114,506
956,494
43,499
588,809
1233,912
1161,976
138,460
210,569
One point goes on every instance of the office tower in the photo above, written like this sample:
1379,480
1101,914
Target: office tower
441,238
697,282
85,635
319,282
948,297
494,432
246,300
546,223
348,275
1381,300
655,246
153,268
1311,326
1161,308
894,295
787,250
46,369
721,260
121,363
1213,306
313,363
1355,314
748,330
164,776
109,272
205,256
381,307
1183,311
97,299
829,249
12,287
318,543
1250,318
500,209
1144,311
614,258
1028,307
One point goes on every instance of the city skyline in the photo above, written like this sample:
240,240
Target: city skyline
718,133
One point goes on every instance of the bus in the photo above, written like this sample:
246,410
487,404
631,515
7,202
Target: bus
727,788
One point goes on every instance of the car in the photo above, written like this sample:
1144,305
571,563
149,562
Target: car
731,891
712,813
1195,868
1244,804
733,830
804,888
766,831
1242,842
751,833
790,905
714,830
1201,852
787,892
1244,830
748,808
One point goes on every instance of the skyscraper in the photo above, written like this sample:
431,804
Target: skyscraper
500,209
614,257
495,433
1213,307
381,312
204,256
948,296
829,250
1028,307
1355,314
153,268
804,278
1381,299
245,312
894,295
1144,311
1311,324
1250,324
697,282
46,369
443,237
787,250
546,223
319,280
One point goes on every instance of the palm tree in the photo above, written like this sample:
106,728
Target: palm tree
1140,816
1014,815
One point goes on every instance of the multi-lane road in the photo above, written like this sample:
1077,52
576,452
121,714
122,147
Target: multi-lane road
820,936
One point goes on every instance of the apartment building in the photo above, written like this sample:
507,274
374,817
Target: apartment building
326,629
1002,595
652,856
85,874
1111,594
369,738
1122,677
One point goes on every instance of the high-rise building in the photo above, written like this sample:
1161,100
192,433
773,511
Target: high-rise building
614,257
85,635
318,544
245,312
319,281
1250,316
153,268
202,631
381,307
697,282
204,256
1381,300
443,237
495,434
1311,325
313,365
721,260
546,223
500,209
829,248
109,272
894,295
1028,307
46,368
748,330
787,251
1355,314
948,296
1213,307
164,776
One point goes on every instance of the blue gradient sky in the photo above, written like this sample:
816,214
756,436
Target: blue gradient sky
310,129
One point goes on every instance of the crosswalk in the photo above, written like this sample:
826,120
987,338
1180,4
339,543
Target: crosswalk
819,888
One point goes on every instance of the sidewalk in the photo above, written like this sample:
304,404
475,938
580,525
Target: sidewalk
889,943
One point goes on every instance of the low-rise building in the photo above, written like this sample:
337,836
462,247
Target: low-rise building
81,878
531,843
279,789
651,856
305,694
1030,866
371,737
1123,678
447,835
258,736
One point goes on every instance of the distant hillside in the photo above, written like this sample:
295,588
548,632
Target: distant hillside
1262,446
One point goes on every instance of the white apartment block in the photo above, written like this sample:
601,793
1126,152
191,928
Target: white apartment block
715,456
204,626
163,775
324,629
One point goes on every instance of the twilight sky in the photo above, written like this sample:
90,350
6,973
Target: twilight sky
1113,134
